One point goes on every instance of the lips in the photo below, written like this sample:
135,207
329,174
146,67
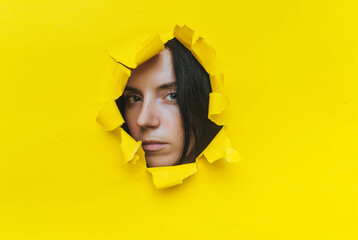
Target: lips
152,146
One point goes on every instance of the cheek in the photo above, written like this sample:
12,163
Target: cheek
173,124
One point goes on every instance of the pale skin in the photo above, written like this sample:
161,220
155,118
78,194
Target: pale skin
152,112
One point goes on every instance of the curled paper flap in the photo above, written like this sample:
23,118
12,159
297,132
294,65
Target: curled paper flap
109,116
151,47
184,35
166,36
205,55
220,148
217,103
130,56
125,53
130,148
119,81
217,82
164,177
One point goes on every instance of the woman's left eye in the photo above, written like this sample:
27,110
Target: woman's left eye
171,96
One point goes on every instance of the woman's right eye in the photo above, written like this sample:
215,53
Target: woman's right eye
133,99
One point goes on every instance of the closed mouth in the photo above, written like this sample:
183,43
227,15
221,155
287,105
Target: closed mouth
152,146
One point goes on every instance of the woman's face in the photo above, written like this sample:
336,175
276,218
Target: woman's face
152,113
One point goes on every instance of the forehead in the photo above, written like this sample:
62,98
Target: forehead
155,71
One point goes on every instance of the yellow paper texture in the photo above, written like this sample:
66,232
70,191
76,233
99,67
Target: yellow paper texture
217,103
220,148
130,148
109,116
290,71
137,51
205,54
217,82
164,177
151,47
119,81
184,35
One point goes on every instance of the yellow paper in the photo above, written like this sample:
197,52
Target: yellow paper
184,35
119,81
217,103
291,76
205,54
164,177
109,116
151,47
220,148
138,50
130,148
217,82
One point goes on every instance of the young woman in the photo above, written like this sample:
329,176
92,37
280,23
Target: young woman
165,105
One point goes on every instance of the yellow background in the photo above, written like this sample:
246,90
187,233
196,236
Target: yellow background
291,77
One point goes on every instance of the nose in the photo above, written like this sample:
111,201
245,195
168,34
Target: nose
148,117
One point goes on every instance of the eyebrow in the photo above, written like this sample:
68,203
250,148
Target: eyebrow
168,85
161,87
131,89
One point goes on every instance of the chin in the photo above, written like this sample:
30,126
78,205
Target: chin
159,163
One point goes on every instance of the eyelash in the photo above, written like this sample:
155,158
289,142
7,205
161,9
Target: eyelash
169,94
130,99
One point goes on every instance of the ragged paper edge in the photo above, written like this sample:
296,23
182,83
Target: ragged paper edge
110,117
206,56
220,148
164,177
152,45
